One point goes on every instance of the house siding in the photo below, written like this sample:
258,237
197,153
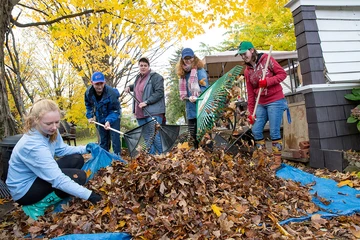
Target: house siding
341,54
328,45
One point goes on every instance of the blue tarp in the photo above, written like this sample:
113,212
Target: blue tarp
97,236
99,159
343,200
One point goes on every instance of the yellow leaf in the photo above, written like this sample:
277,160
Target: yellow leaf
217,210
346,182
121,224
103,189
279,227
88,173
106,210
202,82
184,145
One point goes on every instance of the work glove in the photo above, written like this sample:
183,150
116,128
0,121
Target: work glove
90,147
262,83
192,99
251,119
94,198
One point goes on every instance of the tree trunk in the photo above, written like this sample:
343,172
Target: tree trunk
7,122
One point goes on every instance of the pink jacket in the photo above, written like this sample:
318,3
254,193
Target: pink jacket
275,74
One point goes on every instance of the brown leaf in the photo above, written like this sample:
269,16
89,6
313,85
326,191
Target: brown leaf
316,218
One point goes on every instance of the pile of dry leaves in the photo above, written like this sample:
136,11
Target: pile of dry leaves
189,194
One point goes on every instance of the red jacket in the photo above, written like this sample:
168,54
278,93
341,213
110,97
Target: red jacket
275,74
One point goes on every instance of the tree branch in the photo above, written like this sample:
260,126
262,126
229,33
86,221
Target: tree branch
56,19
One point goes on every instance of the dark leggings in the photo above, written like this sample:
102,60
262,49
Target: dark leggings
192,129
70,165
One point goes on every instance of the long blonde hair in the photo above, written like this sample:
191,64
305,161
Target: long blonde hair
38,110
196,63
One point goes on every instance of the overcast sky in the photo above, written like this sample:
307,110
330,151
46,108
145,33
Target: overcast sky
211,37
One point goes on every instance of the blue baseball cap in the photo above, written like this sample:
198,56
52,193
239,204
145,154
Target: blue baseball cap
187,52
97,77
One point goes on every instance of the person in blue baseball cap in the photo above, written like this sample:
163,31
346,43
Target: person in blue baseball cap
103,106
193,81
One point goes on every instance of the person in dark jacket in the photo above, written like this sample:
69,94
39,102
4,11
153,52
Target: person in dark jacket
148,89
103,106
272,102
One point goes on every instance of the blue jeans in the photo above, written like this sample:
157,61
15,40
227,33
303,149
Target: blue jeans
108,135
272,112
156,146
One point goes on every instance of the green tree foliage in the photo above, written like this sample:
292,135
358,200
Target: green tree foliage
175,108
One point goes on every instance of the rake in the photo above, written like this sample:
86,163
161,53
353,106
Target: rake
170,135
211,103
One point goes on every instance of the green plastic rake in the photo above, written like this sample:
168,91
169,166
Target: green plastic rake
211,103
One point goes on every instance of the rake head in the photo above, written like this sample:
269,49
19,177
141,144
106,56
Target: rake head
211,103
4,191
154,138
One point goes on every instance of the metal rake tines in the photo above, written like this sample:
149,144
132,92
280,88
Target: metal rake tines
211,103
146,139
4,191
153,129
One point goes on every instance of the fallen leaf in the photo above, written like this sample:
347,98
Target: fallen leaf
217,210
184,145
318,219
346,182
355,230
162,188
88,173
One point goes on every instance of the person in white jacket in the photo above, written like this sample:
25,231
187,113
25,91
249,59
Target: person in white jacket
35,179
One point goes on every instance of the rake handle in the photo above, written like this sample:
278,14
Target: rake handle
263,76
112,129
137,100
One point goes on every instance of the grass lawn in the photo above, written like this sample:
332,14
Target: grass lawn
84,141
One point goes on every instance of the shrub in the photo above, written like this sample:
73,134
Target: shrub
355,112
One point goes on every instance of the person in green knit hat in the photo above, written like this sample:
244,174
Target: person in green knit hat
272,102
35,179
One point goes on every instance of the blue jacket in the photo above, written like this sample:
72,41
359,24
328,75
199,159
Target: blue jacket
108,109
153,94
32,157
191,107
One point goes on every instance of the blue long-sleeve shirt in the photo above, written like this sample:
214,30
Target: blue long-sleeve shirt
32,157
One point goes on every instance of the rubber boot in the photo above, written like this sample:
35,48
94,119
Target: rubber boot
276,148
260,152
38,209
